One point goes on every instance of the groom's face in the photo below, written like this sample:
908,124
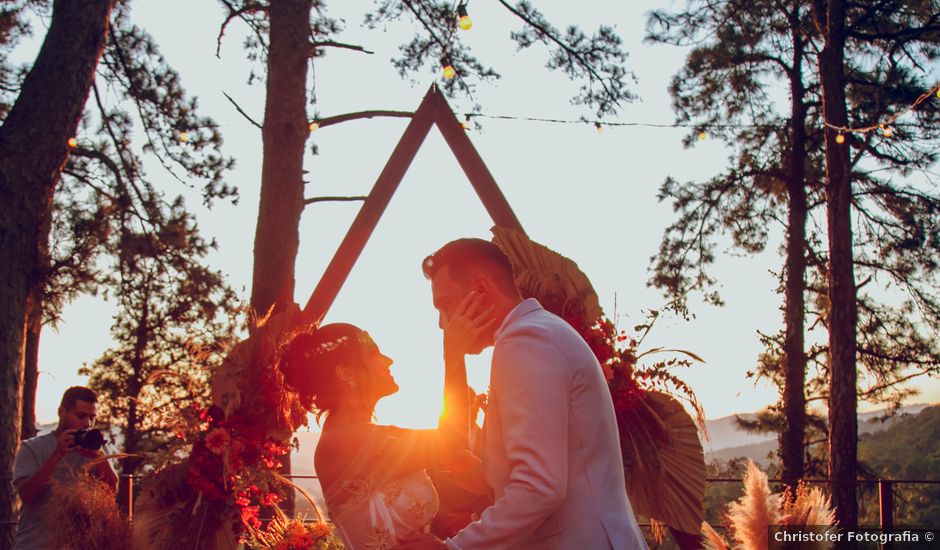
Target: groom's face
447,293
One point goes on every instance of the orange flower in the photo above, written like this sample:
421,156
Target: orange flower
320,530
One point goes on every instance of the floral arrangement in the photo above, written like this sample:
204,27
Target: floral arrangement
664,464
223,472
283,533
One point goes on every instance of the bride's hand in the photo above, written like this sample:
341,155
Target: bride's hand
465,329
420,541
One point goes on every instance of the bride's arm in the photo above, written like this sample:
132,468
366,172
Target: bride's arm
409,450
462,332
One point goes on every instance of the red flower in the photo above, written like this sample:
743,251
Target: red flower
250,516
217,440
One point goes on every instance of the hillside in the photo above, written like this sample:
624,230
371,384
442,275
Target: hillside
727,440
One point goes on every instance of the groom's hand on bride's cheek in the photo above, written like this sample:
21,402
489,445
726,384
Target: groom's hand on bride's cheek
464,327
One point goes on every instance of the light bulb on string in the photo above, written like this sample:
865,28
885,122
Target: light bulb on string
313,126
887,131
466,123
183,136
72,142
463,20
599,127
840,139
449,71
703,135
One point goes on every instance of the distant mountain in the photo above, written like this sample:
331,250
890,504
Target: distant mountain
757,447
724,433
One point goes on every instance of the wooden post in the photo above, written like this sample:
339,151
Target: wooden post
886,508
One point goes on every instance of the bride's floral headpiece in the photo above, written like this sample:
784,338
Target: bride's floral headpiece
327,347
362,338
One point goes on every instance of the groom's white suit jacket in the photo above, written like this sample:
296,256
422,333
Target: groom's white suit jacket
551,451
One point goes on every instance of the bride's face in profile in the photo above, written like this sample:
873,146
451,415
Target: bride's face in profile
377,370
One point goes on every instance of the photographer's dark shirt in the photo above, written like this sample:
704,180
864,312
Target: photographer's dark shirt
35,524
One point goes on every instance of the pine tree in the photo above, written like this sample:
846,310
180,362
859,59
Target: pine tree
175,319
745,53
33,148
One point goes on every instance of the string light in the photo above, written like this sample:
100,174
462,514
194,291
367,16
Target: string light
73,143
313,126
184,136
449,70
883,126
703,135
840,139
599,127
463,20
466,123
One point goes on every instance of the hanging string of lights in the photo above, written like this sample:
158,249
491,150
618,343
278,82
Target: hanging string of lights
463,21
885,127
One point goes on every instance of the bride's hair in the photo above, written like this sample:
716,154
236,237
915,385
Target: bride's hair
309,365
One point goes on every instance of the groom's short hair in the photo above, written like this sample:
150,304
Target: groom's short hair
464,256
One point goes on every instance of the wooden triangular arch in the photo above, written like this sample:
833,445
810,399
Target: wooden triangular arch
433,110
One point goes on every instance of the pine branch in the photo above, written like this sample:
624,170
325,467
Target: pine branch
241,111
566,47
313,200
233,13
336,119
333,44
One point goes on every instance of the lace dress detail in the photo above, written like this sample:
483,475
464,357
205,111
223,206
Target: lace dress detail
375,516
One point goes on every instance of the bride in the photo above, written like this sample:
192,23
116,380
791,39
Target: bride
374,478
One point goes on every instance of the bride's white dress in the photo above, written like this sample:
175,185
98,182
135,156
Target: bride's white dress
373,509
375,517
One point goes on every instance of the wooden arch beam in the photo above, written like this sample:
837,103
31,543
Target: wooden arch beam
433,110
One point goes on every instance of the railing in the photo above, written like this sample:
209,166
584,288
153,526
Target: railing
885,493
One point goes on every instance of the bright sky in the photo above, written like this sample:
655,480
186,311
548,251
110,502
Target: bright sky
589,196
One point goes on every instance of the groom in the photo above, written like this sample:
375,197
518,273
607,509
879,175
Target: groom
550,447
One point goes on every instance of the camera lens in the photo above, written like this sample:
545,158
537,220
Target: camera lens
89,439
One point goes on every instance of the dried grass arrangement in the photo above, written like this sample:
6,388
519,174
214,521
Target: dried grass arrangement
87,515
750,517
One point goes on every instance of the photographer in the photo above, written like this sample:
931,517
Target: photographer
59,457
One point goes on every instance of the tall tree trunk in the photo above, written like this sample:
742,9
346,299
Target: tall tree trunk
284,135
794,392
31,364
34,321
33,149
843,421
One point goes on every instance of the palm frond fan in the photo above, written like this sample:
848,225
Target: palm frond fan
664,462
663,458
554,280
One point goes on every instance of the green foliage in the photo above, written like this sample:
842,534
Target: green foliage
910,449
175,320
741,51
597,60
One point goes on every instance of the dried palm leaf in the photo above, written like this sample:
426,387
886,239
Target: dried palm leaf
549,277
666,471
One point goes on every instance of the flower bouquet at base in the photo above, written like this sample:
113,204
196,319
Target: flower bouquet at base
283,533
